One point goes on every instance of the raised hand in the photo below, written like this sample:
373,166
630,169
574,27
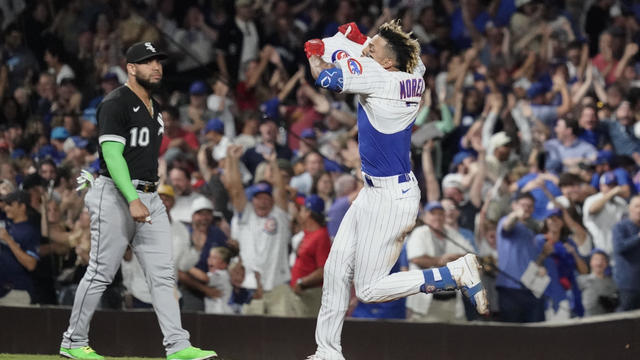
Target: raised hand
314,47
235,151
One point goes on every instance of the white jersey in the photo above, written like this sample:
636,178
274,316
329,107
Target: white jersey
264,243
220,280
600,225
366,245
388,105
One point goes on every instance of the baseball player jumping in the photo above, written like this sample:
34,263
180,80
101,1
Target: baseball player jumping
126,209
388,77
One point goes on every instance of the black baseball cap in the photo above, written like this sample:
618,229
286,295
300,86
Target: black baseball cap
142,51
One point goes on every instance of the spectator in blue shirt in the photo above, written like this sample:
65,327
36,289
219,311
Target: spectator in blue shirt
18,252
516,248
592,131
566,151
605,162
626,256
559,255
621,132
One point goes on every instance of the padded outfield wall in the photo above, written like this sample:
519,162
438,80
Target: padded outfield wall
38,330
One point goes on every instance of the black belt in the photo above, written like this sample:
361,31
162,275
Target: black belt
148,188
444,295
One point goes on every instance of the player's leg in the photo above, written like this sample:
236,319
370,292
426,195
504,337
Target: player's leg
379,244
378,247
152,245
111,229
336,289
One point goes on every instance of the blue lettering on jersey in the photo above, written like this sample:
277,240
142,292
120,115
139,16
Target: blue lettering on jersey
354,66
339,55
383,154
330,79
411,88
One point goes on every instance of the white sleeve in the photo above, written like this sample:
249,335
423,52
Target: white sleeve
338,47
362,75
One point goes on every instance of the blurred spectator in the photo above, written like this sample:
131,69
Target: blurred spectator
323,187
603,210
194,115
216,277
559,255
346,188
176,140
626,255
599,293
566,151
53,56
516,249
308,270
265,146
196,37
261,226
313,166
221,105
180,180
240,42
19,241
204,236
620,131
21,63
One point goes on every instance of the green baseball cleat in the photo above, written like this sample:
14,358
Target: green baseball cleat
83,353
193,353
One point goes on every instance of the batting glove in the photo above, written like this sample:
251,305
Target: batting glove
314,47
352,33
85,179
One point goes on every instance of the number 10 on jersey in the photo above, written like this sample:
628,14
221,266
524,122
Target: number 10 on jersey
139,138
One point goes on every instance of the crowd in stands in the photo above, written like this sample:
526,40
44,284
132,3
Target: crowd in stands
526,147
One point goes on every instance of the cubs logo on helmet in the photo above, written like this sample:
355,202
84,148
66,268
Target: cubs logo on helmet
354,66
339,55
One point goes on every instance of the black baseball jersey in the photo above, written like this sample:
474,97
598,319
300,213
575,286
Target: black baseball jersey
124,118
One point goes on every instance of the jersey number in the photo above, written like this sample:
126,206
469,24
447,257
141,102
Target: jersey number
141,139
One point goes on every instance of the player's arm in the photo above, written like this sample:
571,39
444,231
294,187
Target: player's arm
118,169
198,274
113,132
233,178
317,65
279,189
28,259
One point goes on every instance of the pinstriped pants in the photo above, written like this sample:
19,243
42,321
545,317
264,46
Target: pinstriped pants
112,229
364,250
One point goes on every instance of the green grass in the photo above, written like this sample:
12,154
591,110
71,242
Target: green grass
58,357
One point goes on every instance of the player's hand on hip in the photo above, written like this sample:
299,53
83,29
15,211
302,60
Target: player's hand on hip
139,211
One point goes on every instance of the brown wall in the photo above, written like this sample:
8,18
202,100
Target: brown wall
38,330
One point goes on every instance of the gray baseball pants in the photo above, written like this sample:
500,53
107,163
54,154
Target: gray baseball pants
112,230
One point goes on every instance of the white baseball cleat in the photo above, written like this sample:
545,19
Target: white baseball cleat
465,272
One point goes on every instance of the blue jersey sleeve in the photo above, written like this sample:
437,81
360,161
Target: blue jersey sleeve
331,79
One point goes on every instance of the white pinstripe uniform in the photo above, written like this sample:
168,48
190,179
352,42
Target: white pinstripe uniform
370,236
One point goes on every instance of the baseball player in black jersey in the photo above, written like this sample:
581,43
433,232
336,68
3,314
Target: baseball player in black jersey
126,209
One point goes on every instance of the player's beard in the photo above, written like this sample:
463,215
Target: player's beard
148,85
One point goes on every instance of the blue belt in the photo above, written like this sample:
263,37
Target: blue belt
402,178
